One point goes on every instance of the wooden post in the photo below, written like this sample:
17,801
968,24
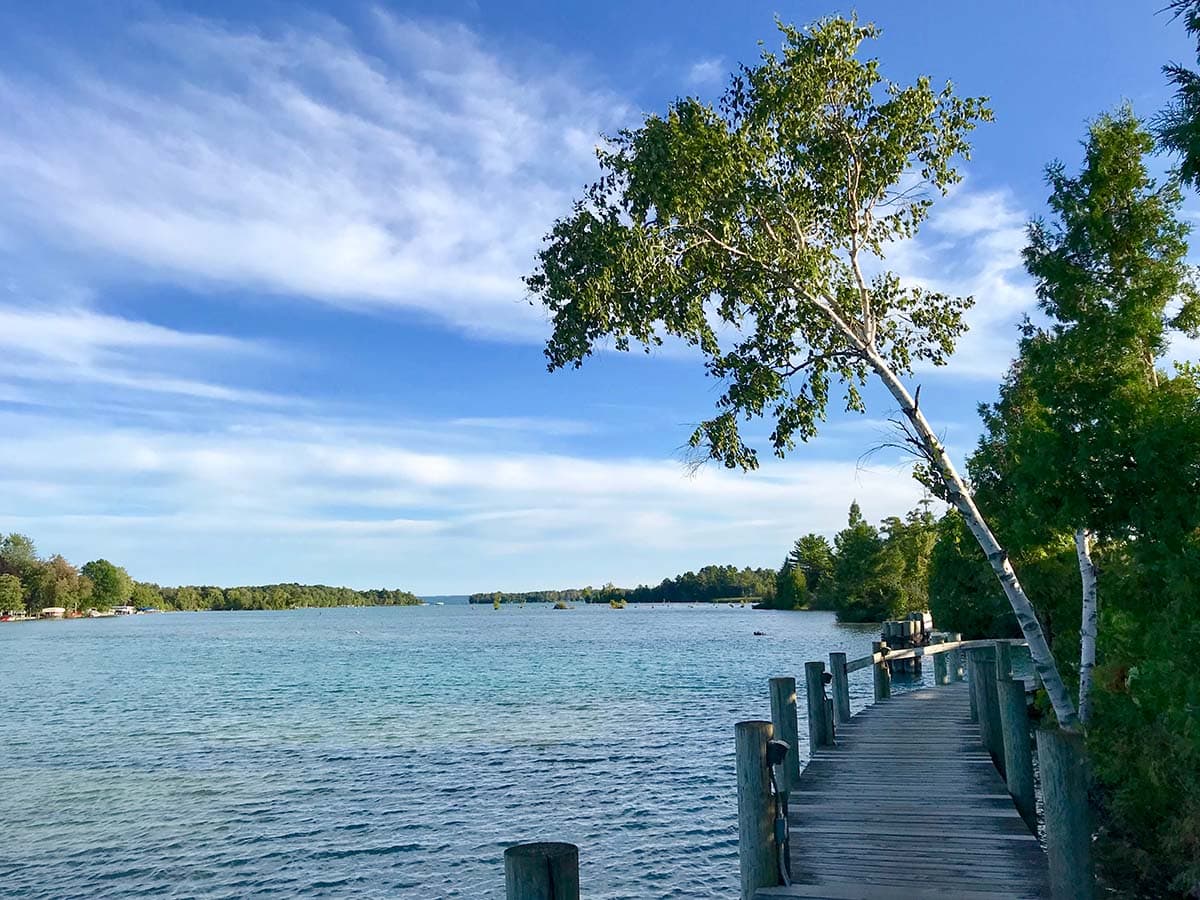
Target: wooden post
1018,756
1061,761
939,670
841,686
757,854
956,659
989,707
814,685
883,678
542,871
1003,659
972,686
783,718
830,727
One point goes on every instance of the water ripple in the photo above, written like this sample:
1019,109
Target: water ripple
384,752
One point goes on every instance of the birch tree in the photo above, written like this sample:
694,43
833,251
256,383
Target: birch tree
1062,444
755,231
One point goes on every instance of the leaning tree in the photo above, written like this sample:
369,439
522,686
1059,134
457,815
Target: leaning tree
756,232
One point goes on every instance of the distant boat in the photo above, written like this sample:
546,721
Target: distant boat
123,610
440,603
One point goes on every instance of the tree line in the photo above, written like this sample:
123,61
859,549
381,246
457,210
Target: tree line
755,229
708,585
867,574
29,584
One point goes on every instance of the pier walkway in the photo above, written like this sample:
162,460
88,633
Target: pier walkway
907,803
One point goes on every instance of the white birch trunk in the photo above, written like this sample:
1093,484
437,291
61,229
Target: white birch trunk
1031,628
1090,624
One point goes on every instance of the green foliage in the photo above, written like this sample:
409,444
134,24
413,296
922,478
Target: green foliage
791,588
756,214
272,596
963,594
709,584
804,579
813,556
1087,434
1178,126
1145,734
102,585
18,556
146,596
12,597
111,585
868,575
58,583
857,548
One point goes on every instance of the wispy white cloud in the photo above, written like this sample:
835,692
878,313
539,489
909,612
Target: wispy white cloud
529,424
287,492
707,71
43,346
971,246
420,175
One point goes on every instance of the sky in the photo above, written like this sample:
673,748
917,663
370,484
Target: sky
261,309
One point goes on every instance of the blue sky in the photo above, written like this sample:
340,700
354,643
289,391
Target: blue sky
260,306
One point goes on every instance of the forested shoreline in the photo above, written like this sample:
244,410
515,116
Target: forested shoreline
29,584
710,584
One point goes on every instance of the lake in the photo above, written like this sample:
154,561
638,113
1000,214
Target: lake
385,752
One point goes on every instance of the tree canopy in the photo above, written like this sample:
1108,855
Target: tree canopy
743,229
755,231
1178,126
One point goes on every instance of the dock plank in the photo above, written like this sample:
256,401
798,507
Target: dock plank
908,804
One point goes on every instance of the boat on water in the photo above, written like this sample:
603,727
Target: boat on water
440,603
124,610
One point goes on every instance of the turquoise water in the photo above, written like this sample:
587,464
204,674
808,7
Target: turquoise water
387,752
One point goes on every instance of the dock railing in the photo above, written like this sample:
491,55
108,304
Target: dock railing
998,703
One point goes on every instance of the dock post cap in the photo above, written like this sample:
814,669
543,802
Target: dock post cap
547,849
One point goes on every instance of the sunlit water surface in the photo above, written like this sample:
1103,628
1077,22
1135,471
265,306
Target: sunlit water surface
390,752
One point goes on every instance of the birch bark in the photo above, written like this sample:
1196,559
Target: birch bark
1090,624
960,496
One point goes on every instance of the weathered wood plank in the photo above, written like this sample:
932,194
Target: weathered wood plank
907,804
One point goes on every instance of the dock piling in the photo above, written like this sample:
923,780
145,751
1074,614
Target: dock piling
1018,756
785,728
883,676
841,687
541,871
1061,761
758,859
939,670
956,659
819,732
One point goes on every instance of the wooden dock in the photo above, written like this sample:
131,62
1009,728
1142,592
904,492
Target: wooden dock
908,804
928,794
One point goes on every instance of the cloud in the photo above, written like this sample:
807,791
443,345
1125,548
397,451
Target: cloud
707,71
971,246
79,345
353,500
551,426
420,174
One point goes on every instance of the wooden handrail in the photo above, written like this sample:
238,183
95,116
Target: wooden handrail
875,659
